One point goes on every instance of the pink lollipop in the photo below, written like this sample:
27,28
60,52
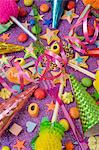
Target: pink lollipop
9,10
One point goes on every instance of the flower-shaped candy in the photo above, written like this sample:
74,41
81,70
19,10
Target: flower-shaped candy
5,94
67,97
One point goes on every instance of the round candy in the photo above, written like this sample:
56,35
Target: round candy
22,37
71,5
20,60
93,3
28,2
36,29
69,146
33,110
90,30
22,12
65,124
87,82
17,88
74,112
32,22
55,48
5,148
39,94
44,8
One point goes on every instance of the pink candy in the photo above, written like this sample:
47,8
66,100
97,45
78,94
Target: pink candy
7,8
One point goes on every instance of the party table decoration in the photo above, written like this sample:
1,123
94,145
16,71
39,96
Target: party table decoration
89,111
12,106
9,48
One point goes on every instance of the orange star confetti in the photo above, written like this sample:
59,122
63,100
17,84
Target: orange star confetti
5,37
19,145
50,36
69,15
50,106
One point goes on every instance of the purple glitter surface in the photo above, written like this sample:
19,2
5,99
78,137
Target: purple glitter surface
22,117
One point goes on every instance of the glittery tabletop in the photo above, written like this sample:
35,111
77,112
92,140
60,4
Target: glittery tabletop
22,117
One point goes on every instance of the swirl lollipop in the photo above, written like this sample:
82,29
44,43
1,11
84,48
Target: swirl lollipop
9,10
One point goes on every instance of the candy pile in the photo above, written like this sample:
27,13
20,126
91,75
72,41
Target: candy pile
49,75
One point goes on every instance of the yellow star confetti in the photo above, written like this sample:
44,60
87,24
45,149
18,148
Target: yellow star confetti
50,36
69,15
79,60
39,17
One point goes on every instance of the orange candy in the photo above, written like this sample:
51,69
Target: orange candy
74,112
33,110
44,8
71,5
22,37
93,3
12,76
69,146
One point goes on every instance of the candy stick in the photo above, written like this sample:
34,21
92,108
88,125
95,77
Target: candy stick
23,28
86,72
55,114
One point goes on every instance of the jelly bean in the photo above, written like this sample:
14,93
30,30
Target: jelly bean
40,94
22,12
22,37
87,82
28,2
65,124
33,110
5,148
74,112
71,5
36,29
44,8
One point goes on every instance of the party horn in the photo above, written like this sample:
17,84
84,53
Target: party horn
12,106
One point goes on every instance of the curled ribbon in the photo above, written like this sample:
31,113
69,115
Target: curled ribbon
51,57
5,85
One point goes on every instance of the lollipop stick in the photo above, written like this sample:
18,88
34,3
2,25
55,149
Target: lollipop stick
23,28
81,16
84,71
55,114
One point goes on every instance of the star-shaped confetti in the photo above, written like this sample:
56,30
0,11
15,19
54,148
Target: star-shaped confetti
5,36
26,24
50,106
69,15
50,36
47,22
39,17
5,60
29,52
19,145
79,60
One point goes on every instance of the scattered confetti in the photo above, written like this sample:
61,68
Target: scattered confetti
5,36
5,94
69,15
39,17
79,60
15,129
19,145
26,24
47,22
50,36
67,97
30,126
50,106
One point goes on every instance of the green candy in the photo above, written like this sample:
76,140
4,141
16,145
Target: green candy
87,82
5,148
36,29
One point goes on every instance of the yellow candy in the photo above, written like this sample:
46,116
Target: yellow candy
96,82
55,48
67,97
65,124
20,60
5,148
5,94
28,2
